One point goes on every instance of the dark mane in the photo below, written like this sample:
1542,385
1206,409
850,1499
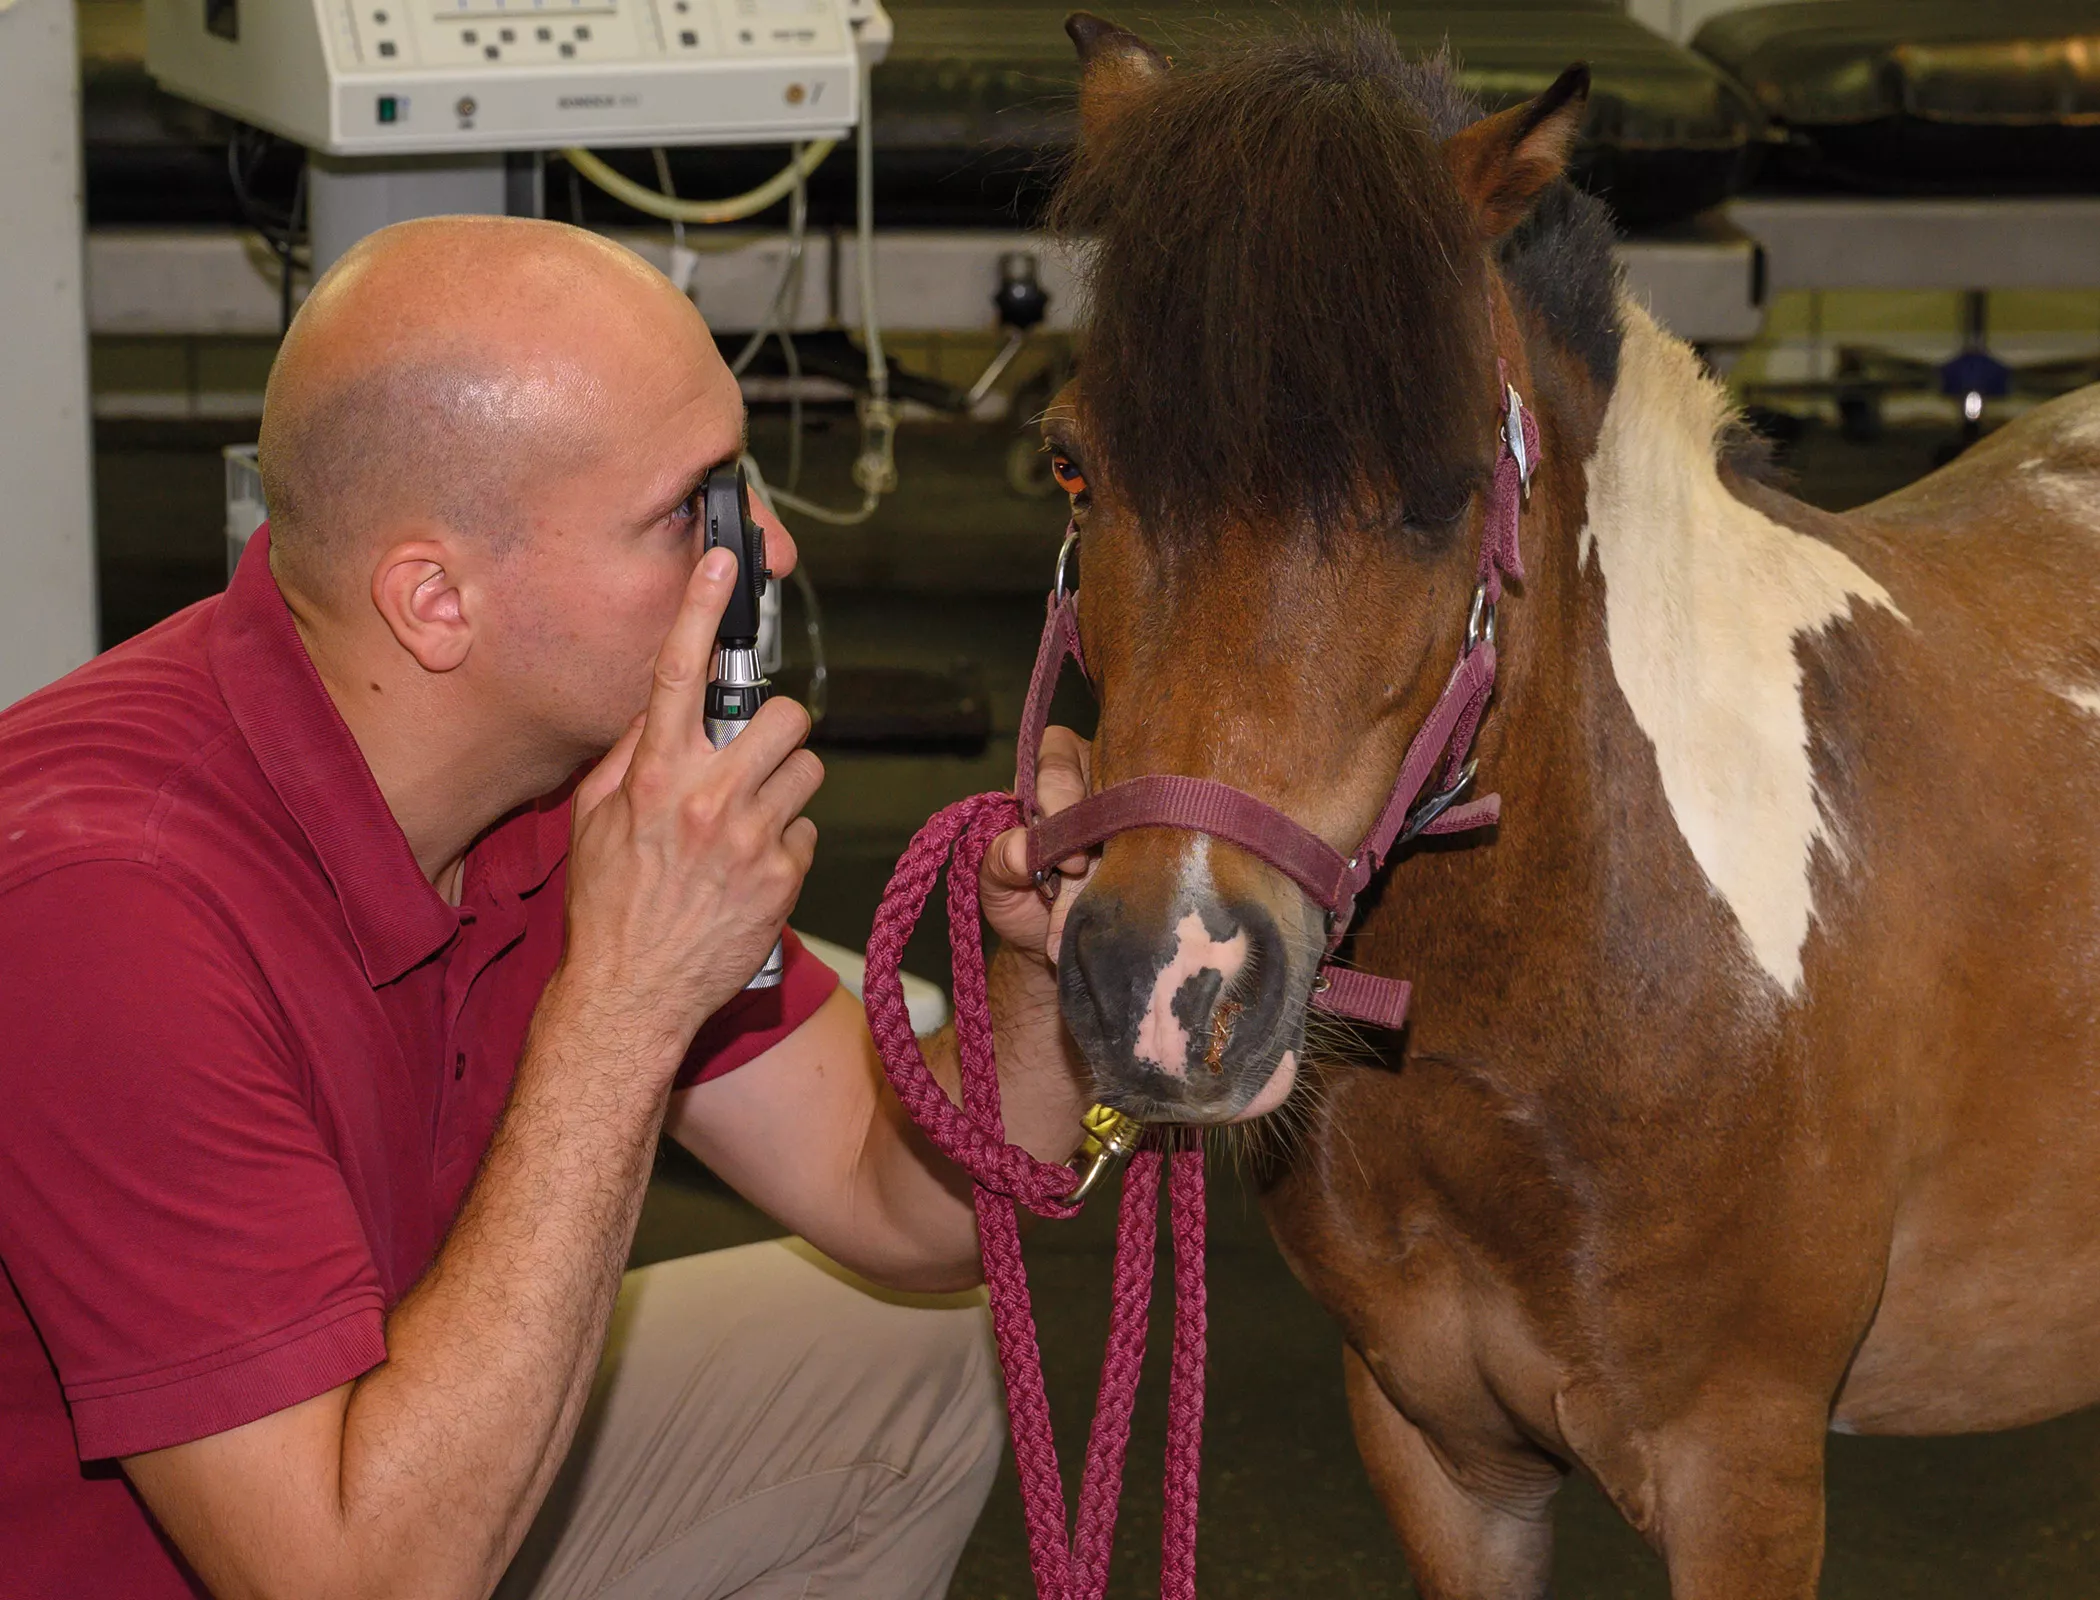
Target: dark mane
1286,313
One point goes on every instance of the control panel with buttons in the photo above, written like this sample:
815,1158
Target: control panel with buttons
370,77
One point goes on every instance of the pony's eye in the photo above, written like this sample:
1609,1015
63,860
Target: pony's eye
1067,473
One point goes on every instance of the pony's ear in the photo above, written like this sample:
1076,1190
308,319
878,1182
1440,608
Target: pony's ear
1116,70
1503,163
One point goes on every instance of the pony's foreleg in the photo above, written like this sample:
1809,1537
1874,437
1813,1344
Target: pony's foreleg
1739,1497
1730,1491
1478,1530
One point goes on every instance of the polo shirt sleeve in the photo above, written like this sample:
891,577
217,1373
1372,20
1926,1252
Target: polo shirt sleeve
170,1213
758,1019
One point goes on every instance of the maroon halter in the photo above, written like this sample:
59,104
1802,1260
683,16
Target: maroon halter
1441,750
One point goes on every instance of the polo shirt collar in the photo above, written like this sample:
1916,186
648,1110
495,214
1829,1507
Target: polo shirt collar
305,749
519,854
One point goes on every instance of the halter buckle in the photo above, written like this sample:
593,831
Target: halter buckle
1111,1139
1437,804
1513,440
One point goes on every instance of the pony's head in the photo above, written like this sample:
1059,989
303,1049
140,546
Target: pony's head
1278,448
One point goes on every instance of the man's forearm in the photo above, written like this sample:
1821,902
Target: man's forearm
450,1446
1044,1085
1044,1082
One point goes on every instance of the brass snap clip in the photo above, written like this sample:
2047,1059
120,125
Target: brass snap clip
1110,1140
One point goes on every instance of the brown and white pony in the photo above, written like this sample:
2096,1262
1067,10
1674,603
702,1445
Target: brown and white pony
1752,1086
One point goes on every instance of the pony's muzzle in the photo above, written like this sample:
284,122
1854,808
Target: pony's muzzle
1183,1017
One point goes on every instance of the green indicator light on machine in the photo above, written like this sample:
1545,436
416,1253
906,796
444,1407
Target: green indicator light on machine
732,705
389,108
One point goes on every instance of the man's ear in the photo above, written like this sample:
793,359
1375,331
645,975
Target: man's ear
1505,162
1117,70
418,597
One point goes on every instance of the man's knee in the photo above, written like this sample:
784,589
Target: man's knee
763,1413
964,1366
937,1422
935,1356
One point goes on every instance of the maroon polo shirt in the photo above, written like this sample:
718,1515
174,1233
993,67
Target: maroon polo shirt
249,1062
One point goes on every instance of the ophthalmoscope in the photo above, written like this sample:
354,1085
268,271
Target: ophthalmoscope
738,688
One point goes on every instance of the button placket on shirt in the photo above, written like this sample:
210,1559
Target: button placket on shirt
485,934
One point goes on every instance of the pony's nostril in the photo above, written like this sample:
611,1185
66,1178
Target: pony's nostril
1250,1016
1197,1009
1087,980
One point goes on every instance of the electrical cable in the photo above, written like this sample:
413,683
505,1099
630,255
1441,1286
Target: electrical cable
663,182
284,255
787,293
734,209
793,360
875,468
246,150
786,290
864,231
813,629
813,614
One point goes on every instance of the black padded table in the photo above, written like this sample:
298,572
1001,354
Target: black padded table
1923,96
976,99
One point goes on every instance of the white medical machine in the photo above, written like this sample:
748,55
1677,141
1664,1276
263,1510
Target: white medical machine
422,77
410,107
414,108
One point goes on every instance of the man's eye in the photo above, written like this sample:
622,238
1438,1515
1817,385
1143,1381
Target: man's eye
1067,473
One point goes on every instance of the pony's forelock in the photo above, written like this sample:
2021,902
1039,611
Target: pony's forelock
1287,307
1287,315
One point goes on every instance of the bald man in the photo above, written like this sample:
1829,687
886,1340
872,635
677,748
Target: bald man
340,1033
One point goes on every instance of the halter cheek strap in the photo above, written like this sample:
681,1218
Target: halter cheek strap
1427,796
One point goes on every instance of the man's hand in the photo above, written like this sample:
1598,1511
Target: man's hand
1012,904
686,859
812,1134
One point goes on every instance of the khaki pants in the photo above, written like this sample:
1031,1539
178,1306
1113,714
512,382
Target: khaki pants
764,1426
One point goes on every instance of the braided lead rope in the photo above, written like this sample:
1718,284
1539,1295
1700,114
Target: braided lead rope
976,1144
1177,1573
973,1136
1122,1363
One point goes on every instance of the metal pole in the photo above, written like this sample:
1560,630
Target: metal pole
47,542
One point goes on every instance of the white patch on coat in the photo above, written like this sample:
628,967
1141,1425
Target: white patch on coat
1705,599
2086,700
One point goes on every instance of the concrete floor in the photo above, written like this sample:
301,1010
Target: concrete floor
956,568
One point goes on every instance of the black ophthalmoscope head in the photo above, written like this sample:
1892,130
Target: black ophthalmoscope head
726,518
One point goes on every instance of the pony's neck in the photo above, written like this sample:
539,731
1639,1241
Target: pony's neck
1703,600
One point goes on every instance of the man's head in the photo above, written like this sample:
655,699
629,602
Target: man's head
481,447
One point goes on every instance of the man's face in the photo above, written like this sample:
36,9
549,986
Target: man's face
578,607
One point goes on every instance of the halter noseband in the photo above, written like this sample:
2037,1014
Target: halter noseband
1441,751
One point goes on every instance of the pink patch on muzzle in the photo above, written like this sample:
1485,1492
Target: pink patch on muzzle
1162,1040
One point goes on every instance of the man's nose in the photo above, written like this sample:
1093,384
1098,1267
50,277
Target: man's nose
781,554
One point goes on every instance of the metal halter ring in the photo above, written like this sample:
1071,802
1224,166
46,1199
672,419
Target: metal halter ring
1428,810
1513,437
1064,560
1480,621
